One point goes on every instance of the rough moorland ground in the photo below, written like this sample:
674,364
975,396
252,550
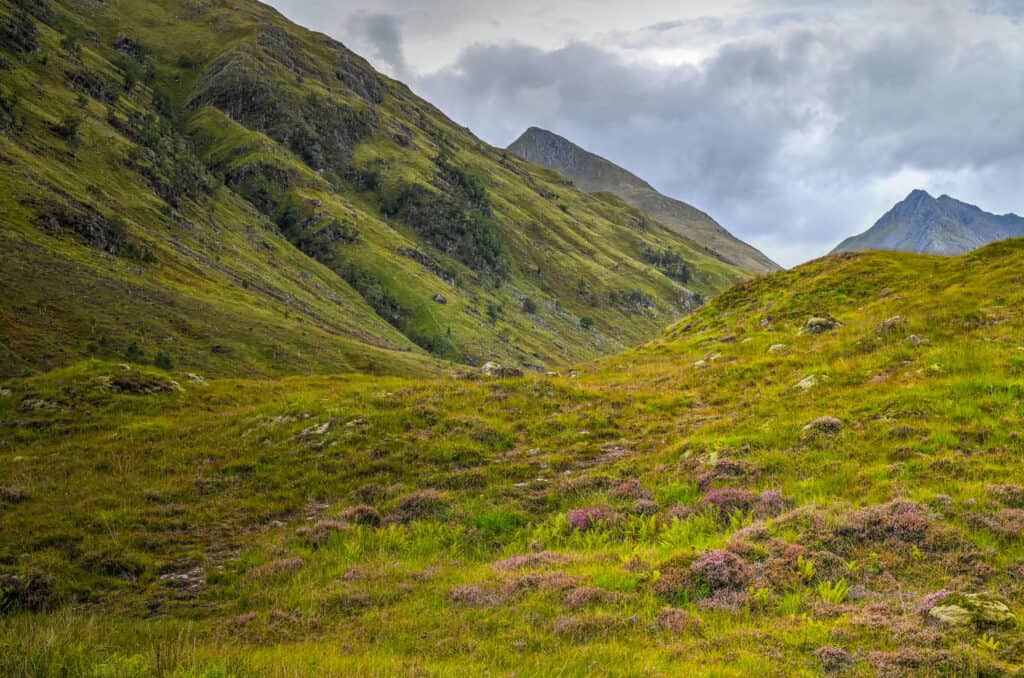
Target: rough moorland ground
818,472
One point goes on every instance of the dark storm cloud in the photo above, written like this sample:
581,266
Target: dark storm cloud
782,138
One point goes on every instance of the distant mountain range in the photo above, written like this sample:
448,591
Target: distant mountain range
943,225
595,174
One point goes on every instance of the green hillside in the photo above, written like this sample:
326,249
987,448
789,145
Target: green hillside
206,180
818,472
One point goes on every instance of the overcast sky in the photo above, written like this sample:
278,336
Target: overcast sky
794,123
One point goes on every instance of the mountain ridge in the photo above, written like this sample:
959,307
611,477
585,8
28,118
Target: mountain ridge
594,173
944,225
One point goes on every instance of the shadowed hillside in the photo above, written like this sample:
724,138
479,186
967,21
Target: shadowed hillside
595,174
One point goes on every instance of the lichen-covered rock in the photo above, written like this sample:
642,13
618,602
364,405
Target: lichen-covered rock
972,609
820,324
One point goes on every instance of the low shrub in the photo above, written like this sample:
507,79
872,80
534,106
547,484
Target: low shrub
362,515
420,505
722,570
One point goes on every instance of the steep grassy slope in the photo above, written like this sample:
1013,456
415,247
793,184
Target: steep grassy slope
595,174
687,508
116,242
207,180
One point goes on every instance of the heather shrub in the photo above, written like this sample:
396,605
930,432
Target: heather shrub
899,520
728,500
721,470
586,519
833,658
824,426
551,581
721,570
275,568
1008,495
473,595
629,489
645,507
726,600
528,560
420,505
582,596
587,627
674,620
362,515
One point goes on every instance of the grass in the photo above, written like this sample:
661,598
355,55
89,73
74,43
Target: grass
232,480
679,507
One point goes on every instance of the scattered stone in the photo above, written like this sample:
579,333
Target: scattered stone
496,370
892,322
39,405
972,609
807,383
700,364
13,495
317,429
440,298
5,393
196,379
915,340
778,349
137,383
190,580
820,324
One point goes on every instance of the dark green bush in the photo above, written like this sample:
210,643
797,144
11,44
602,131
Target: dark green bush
163,360
134,353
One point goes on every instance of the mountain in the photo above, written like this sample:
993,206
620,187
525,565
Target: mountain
594,174
943,225
659,508
209,182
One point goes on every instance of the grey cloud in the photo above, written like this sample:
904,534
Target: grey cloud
383,33
799,137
